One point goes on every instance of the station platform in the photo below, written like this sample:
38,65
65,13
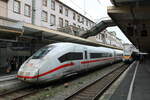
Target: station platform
3,72
136,84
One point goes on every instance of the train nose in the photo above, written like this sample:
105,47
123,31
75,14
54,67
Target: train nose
28,76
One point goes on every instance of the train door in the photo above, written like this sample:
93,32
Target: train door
79,58
84,65
115,56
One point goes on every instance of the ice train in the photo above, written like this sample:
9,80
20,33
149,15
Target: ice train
58,60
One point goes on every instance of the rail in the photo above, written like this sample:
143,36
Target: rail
18,94
93,90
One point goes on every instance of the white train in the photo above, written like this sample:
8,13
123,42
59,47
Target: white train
58,60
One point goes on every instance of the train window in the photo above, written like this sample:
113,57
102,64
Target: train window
85,52
71,56
119,54
99,55
96,55
110,55
42,52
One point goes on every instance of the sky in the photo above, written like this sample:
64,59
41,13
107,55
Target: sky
96,10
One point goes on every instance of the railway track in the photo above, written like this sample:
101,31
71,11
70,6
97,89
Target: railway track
93,90
18,94
22,92
11,87
29,90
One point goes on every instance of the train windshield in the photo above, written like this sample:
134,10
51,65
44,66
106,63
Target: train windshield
42,52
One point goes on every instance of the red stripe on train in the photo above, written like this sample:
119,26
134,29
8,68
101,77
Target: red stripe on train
63,66
53,70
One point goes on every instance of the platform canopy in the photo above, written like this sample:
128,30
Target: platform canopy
134,21
9,29
30,31
47,34
130,2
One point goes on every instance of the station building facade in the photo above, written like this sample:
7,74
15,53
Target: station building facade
108,38
52,14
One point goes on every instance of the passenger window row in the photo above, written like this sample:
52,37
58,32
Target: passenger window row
79,56
71,56
119,54
99,55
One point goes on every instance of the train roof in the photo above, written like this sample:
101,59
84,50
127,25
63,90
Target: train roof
70,44
75,44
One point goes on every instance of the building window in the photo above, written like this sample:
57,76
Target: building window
83,28
78,18
96,36
17,6
87,23
82,20
61,9
53,20
66,12
79,26
99,36
74,16
74,24
106,36
44,2
53,4
66,23
44,16
27,10
60,22
90,24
